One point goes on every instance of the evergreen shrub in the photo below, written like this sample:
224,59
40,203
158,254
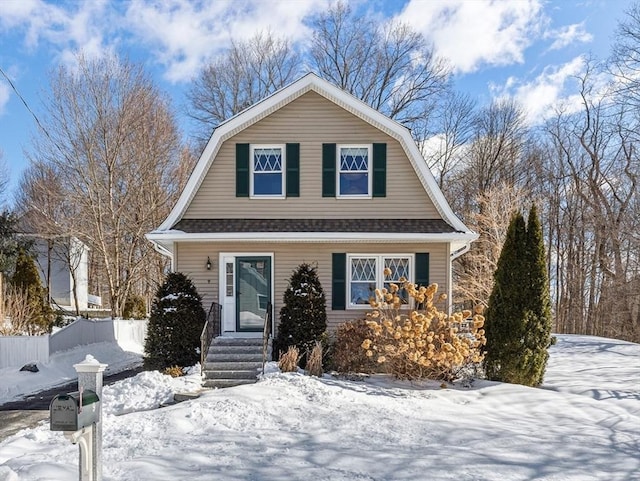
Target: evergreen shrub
26,280
519,314
175,325
303,316
134,307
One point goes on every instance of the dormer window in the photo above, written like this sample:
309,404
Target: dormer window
354,171
267,170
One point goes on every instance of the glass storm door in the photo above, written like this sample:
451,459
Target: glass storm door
253,292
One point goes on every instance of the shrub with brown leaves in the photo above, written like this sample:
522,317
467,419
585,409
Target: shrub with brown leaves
421,342
347,354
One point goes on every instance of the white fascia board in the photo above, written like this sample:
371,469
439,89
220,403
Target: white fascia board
343,99
165,237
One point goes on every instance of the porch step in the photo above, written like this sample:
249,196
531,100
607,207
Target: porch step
234,356
237,374
232,366
226,382
233,361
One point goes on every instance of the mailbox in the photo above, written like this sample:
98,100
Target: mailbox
74,411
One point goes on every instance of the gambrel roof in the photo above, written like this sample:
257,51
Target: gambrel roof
174,228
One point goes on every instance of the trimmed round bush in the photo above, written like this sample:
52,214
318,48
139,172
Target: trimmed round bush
175,325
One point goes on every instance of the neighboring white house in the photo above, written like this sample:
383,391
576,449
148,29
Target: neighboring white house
63,263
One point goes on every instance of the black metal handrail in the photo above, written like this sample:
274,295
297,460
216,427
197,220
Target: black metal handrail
212,328
266,334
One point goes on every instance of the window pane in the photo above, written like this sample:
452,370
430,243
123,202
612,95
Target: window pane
354,184
267,160
354,159
229,279
363,269
361,292
363,279
267,184
399,267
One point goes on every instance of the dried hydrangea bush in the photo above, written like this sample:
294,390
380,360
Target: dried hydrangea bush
413,339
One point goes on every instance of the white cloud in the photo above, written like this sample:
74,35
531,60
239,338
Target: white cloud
184,35
472,33
569,34
84,28
554,88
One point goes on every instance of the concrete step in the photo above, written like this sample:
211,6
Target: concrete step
232,366
214,356
236,374
226,382
234,341
235,349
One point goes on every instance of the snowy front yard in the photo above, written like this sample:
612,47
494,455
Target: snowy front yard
584,424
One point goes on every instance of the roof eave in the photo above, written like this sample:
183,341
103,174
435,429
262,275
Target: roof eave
171,236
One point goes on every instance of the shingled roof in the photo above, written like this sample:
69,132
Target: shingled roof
400,226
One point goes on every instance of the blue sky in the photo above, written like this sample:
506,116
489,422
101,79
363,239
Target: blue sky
528,49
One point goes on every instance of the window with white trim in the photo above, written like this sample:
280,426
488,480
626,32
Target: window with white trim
354,171
267,171
366,273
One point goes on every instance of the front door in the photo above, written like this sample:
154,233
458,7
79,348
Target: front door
246,291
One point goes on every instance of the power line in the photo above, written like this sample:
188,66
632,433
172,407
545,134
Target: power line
15,89
33,114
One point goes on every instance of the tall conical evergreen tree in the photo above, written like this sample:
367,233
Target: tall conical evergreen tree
504,321
303,316
518,320
538,316
27,280
175,324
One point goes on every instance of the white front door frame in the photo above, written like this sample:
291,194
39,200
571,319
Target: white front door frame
227,285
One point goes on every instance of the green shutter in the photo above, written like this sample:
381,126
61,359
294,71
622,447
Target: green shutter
422,269
293,170
379,170
328,170
242,170
338,281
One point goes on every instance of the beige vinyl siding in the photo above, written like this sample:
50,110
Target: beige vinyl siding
191,258
311,120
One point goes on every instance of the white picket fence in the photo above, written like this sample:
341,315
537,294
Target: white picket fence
20,350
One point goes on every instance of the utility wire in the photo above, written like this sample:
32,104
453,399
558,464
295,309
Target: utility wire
33,114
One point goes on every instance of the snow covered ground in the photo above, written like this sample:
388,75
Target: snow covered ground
584,424
59,370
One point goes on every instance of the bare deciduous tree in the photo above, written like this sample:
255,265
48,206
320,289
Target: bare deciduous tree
625,58
4,178
243,75
598,174
389,66
445,138
112,141
19,313
474,271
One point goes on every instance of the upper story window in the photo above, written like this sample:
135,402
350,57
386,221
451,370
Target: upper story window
267,171
354,171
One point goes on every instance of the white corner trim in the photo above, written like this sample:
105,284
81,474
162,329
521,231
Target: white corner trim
334,94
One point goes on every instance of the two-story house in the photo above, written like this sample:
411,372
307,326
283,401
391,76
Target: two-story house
309,174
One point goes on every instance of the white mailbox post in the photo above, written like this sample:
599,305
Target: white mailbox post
79,416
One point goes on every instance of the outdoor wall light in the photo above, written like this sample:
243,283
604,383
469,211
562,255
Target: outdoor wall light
208,263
